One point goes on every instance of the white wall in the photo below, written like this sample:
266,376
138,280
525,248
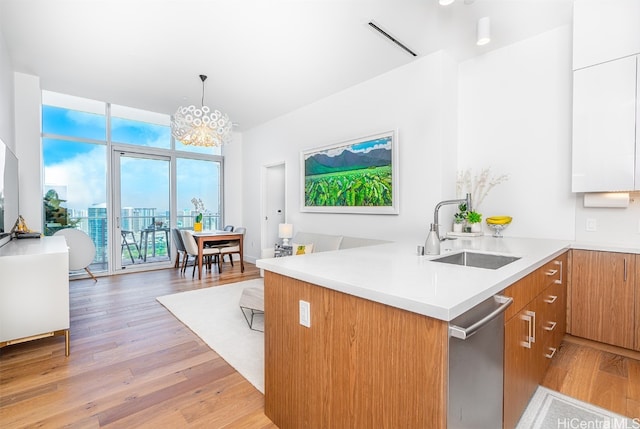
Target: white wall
515,118
28,125
7,133
232,153
614,226
417,100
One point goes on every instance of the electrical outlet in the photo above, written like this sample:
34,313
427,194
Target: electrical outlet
591,225
305,314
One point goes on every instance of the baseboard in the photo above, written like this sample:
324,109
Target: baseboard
620,351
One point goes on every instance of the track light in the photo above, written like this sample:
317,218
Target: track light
483,31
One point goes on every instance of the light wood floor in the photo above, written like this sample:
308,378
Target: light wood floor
133,365
606,376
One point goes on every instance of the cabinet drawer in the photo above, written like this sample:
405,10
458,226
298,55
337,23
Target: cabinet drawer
554,318
527,289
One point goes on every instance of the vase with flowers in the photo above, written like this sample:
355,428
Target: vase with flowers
199,209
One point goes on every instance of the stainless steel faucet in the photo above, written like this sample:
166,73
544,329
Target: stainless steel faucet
466,200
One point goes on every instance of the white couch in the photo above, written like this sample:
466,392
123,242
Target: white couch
325,242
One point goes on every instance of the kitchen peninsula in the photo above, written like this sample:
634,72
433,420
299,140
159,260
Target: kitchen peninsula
376,351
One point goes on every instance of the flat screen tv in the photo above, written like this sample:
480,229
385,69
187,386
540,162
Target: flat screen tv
8,192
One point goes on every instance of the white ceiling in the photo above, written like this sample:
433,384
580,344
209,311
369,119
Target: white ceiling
264,58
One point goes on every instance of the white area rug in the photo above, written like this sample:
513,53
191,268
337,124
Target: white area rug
213,314
552,410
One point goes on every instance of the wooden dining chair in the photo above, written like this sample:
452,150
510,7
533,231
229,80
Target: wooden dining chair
233,246
191,247
180,250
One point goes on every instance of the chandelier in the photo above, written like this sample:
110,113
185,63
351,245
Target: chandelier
201,126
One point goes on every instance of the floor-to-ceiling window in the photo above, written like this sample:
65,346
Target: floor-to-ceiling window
115,173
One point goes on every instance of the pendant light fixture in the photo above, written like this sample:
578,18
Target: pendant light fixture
200,126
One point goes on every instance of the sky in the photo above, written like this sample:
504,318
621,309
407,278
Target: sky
355,146
78,169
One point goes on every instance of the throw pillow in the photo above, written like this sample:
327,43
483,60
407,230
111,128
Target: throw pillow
301,249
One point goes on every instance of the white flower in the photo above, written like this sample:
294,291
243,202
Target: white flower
198,204
479,187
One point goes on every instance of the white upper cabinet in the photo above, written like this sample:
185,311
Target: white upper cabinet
604,127
604,30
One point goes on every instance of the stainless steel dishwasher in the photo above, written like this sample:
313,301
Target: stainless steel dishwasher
476,356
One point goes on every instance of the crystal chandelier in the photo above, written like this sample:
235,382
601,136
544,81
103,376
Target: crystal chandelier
200,126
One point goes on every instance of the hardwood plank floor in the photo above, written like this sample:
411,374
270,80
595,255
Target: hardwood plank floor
603,375
132,363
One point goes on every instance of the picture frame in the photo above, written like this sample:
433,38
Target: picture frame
354,176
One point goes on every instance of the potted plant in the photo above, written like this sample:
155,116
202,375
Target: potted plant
460,218
473,219
199,208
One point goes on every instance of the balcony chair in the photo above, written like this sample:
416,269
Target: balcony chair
126,244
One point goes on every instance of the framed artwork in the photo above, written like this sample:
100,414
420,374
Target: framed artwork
355,176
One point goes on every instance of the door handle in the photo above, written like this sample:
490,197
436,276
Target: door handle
527,317
464,333
559,281
551,299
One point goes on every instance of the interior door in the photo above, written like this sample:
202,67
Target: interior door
142,207
274,204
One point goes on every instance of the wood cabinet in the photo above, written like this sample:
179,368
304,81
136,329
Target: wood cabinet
603,297
637,304
534,328
604,30
360,364
604,127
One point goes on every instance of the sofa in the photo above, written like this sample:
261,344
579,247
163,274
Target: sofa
316,242
326,242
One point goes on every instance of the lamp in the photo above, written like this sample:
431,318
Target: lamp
200,126
483,31
285,231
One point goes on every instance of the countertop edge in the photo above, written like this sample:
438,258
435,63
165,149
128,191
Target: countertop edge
415,305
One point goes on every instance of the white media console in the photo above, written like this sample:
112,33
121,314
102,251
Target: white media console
34,290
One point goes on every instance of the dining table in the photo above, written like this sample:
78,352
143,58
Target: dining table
216,237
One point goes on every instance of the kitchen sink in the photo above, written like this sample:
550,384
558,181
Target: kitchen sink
478,260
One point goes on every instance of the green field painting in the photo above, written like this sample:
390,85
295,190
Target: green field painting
364,187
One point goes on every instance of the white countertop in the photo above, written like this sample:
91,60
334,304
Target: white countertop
395,275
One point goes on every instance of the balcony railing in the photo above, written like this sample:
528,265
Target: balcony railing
154,231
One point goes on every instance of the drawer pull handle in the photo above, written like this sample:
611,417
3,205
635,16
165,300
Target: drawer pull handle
551,326
551,273
553,352
551,299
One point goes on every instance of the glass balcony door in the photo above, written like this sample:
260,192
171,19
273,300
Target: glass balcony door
142,210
